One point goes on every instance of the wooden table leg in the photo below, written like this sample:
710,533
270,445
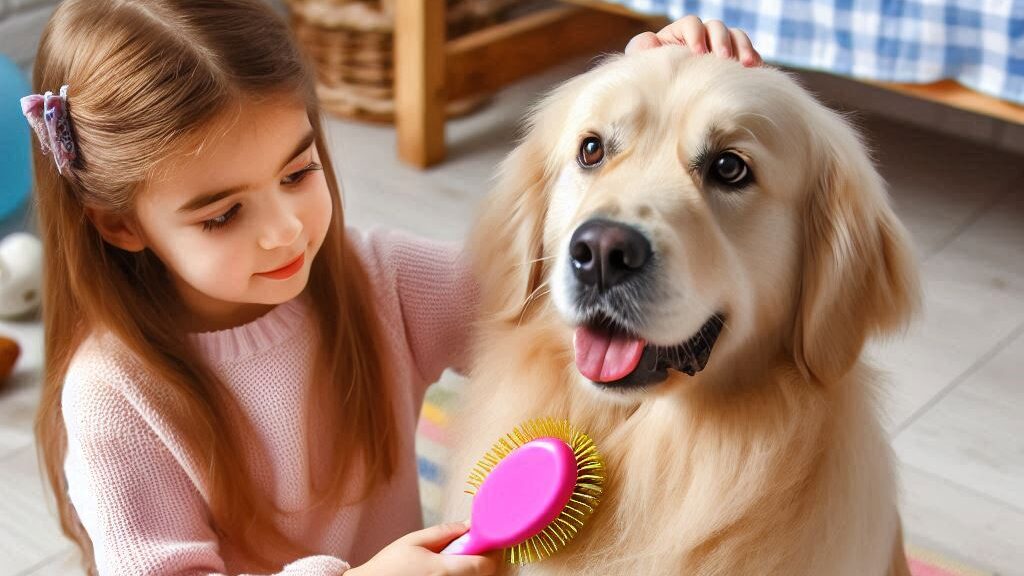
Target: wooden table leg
419,81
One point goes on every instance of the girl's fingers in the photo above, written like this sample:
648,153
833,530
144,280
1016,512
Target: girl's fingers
745,52
701,37
469,565
437,537
719,39
643,41
688,31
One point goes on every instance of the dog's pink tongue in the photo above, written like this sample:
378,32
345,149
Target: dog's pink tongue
603,357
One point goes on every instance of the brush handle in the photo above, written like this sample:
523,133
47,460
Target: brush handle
466,545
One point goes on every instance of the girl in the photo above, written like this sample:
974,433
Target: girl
232,379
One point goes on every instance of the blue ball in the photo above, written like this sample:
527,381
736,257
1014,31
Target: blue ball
15,154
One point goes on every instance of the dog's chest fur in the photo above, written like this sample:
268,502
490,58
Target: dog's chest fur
763,482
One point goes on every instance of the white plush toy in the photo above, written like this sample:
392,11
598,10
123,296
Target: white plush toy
21,273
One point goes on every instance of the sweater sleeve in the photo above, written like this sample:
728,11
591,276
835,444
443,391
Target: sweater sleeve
139,506
429,289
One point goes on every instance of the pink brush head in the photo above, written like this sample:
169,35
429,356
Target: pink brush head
533,491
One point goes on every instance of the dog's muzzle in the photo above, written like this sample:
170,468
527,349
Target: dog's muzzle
613,267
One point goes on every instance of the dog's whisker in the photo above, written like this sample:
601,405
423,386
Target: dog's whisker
540,291
533,294
528,303
723,326
758,115
752,134
534,261
703,338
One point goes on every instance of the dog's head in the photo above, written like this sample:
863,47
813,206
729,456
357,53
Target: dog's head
682,214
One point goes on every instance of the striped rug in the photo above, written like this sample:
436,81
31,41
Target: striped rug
431,449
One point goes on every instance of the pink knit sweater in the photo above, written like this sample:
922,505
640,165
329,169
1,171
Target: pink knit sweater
143,505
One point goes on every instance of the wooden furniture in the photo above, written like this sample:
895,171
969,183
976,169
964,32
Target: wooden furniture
952,93
430,70
948,92
351,46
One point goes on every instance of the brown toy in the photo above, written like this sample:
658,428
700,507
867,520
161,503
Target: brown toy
9,352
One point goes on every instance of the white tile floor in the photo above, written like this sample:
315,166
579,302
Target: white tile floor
956,406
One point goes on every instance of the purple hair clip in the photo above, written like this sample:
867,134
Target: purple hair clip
48,116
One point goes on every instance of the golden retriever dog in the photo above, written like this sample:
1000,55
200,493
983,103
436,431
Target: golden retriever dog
685,258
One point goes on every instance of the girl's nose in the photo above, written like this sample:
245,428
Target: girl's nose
281,230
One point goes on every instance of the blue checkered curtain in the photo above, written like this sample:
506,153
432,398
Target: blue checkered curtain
979,43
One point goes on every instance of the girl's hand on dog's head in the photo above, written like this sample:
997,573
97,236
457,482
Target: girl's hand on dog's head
701,37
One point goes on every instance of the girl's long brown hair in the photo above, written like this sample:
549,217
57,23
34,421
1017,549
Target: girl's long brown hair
146,76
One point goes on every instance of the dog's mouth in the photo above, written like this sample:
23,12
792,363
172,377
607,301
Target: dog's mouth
611,356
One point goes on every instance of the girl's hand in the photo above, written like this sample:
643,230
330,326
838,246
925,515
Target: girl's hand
416,554
701,37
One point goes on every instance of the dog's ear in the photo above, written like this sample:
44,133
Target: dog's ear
859,277
507,242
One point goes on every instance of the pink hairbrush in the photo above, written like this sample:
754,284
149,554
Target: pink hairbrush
532,492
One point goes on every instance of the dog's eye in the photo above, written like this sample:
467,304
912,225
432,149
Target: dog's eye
730,169
591,152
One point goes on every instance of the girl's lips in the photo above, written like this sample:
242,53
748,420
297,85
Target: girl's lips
286,271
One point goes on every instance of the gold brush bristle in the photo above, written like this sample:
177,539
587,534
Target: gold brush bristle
585,496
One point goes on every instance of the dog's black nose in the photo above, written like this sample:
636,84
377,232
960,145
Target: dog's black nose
606,253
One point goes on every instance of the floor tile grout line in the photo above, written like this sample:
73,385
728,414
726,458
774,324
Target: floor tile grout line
954,484
959,379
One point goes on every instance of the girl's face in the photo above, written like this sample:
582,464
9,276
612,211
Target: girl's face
239,219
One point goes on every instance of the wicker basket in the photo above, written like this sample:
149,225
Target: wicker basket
350,43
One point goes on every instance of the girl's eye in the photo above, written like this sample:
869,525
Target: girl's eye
296,177
214,223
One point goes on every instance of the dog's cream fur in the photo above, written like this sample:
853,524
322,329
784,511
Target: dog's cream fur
771,460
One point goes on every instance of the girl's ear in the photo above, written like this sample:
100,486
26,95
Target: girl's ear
117,229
